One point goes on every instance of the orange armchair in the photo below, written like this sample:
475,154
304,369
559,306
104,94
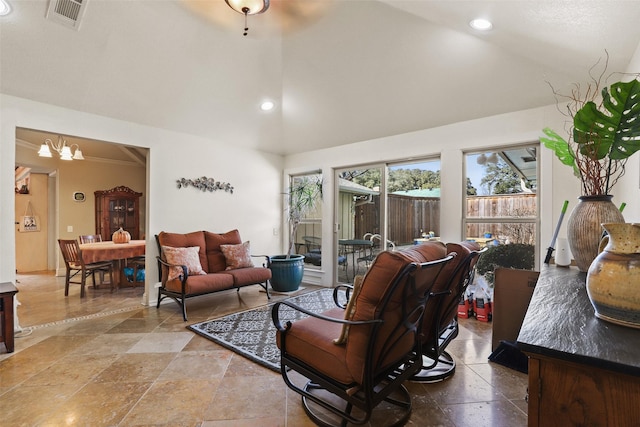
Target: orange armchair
354,358
440,322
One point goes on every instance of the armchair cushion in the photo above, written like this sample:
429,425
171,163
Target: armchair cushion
316,336
237,256
380,276
183,256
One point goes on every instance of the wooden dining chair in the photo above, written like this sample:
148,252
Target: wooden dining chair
90,238
93,238
75,265
136,265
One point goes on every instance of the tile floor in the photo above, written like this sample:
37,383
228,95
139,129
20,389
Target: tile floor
108,361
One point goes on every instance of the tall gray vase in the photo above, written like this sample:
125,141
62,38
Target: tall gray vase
584,229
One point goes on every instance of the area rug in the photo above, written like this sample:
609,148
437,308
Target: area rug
252,334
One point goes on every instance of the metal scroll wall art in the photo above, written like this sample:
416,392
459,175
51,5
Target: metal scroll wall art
205,184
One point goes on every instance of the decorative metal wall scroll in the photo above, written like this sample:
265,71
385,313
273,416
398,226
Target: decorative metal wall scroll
205,184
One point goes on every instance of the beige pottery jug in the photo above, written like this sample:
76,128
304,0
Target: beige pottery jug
613,279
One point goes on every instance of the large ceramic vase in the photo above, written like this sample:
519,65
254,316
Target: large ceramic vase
613,280
584,229
286,272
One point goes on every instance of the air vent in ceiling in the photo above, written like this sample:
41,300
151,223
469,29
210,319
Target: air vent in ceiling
67,12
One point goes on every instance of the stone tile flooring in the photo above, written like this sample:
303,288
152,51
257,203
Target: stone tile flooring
106,360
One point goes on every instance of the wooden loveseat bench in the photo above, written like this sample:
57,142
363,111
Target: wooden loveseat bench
202,262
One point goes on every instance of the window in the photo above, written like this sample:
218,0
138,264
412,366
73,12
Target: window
305,217
501,198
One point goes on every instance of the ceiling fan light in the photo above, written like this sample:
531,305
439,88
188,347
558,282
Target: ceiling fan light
44,150
248,7
5,8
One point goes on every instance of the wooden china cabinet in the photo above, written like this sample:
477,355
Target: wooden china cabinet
115,208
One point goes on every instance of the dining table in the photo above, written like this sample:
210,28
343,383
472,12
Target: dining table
114,252
353,246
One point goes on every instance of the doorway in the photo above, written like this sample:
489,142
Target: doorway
67,208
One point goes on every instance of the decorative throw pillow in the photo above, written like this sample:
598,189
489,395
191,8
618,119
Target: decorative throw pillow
183,256
350,310
237,256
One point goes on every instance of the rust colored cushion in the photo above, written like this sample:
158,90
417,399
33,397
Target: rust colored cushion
203,284
214,256
237,256
178,240
381,275
445,306
350,309
249,276
311,339
425,252
182,256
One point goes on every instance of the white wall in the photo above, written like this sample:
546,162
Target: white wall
556,182
628,188
255,207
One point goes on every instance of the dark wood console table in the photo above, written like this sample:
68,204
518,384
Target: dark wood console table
7,291
582,370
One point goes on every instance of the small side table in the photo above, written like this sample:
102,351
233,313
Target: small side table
7,291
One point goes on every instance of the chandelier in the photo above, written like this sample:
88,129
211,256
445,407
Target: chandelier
248,7
62,148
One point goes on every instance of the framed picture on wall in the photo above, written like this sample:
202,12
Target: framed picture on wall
79,196
29,223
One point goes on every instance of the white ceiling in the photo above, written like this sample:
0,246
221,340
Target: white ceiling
350,70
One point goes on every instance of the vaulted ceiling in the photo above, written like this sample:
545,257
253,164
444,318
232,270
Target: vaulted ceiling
340,71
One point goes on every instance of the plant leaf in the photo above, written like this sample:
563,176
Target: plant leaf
561,148
613,131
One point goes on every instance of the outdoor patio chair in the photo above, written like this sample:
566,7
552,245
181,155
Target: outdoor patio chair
376,247
75,265
354,358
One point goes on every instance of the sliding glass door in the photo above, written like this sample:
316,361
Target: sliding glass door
358,217
413,200
384,207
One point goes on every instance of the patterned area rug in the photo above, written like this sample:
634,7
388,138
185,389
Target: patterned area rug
252,334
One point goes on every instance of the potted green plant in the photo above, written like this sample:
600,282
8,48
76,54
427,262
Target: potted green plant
604,133
305,192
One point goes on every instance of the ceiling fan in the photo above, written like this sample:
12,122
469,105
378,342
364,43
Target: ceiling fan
278,17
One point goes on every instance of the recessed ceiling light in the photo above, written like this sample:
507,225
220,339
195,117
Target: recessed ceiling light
481,24
4,7
267,106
